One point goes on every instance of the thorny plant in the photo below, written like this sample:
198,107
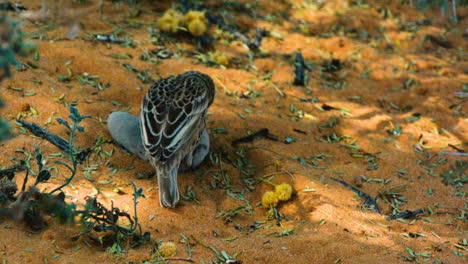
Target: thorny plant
32,205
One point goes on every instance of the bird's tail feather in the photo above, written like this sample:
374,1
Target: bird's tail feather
168,190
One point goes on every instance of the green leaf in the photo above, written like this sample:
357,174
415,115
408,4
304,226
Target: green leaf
43,176
63,122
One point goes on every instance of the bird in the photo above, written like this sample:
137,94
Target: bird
173,119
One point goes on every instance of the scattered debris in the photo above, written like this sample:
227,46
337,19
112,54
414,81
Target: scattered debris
289,140
10,171
9,6
143,76
405,215
162,52
300,131
109,38
205,42
439,41
254,45
457,173
264,132
309,100
326,107
332,65
396,131
368,200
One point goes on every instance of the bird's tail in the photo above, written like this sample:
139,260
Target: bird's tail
168,190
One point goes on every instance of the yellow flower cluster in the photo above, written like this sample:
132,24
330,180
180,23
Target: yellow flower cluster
172,21
196,23
220,58
283,192
270,199
167,249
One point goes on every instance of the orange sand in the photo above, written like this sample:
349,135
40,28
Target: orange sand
329,225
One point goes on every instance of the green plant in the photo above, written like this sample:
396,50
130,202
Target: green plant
4,130
12,39
31,205
72,152
96,217
12,44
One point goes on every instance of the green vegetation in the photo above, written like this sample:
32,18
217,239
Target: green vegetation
13,44
32,205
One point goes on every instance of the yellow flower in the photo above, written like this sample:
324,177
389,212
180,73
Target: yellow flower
220,58
168,24
197,27
173,13
170,21
167,249
277,163
283,191
195,15
269,199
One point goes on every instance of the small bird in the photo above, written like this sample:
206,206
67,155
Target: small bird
173,118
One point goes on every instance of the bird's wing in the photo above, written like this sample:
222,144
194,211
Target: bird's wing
172,112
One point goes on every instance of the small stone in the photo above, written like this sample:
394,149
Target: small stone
125,129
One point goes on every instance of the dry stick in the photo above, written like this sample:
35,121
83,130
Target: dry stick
60,142
181,259
222,84
405,215
277,89
272,151
262,133
367,198
463,154
41,132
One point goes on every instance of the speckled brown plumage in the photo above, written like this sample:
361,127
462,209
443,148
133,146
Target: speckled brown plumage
173,116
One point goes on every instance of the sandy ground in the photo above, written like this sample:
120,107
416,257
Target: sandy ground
390,74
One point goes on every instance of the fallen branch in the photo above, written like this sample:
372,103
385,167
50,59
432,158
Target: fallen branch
368,200
58,141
